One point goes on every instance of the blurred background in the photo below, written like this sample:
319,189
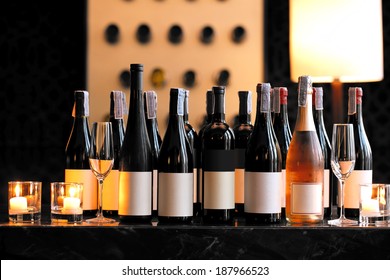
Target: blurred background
44,58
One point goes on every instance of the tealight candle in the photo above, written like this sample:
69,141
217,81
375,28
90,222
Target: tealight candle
71,203
18,204
370,206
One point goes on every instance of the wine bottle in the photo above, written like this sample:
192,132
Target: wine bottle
362,173
175,167
136,159
304,164
150,100
263,166
242,132
218,165
118,109
77,167
193,138
283,133
325,147
209,117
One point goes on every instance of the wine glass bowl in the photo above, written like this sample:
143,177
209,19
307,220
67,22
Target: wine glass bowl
342,162
101,160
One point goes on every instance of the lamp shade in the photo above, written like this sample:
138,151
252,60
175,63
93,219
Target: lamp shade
336,40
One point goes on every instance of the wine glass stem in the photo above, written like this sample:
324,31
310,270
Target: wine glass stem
342,210
100,202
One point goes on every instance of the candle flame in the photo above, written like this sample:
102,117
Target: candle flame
72,192
17,190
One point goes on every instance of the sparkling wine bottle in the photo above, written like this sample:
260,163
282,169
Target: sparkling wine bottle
218,159
118,109
76,153
175,167
282,132
362,173
150,100
318,115
263,166
193,138
304,164
136,158
242,132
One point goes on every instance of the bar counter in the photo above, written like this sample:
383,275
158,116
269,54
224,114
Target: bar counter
197,241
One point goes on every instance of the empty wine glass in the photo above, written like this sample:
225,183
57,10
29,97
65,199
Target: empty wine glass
343,162
101,160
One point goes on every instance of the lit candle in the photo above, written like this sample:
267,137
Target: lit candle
71,203
370,207
18,204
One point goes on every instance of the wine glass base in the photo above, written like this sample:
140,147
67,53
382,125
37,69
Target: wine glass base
342,222
100,220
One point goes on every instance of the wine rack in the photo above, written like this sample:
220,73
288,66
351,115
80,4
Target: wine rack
191,44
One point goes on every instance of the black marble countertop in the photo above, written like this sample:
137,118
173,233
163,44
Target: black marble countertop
197,241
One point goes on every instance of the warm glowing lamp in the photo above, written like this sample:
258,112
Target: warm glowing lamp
336,41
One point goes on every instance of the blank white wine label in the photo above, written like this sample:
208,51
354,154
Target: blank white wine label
262,192
111,191
175,194
135,193
90,190
352,187
306,198
218,190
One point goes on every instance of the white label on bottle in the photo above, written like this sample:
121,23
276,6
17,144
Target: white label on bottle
155,175
239,186
326,188
111,191
262,192
218,190
352,187
306,198
283,190
195,185
135,193
90,190
175,194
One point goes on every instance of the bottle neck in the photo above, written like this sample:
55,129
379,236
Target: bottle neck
263,112
357,115
244,119
305,120
219,108
245,108
355,112
136,108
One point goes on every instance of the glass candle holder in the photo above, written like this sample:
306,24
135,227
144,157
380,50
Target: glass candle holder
24,198
66,202
374,204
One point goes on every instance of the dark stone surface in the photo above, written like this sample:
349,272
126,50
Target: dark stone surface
47,241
